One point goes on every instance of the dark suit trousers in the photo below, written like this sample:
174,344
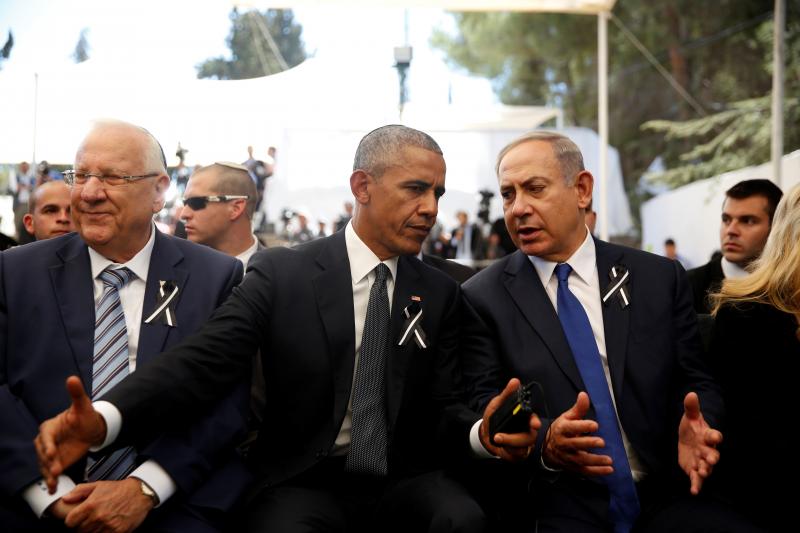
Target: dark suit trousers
327,499
581,506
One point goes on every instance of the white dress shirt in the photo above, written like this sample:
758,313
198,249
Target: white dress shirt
732,270
131,298
584,282
245,256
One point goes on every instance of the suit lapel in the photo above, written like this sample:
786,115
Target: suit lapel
616,320
164,265
527,292
334,294
74,292
405,286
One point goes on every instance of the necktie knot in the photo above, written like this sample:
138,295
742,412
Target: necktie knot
116,278
563,270
381,273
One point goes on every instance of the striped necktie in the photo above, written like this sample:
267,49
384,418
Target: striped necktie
110,365
369,440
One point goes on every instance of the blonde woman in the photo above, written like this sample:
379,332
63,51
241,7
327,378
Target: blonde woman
755,350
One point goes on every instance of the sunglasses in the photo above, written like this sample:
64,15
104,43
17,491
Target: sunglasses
200,202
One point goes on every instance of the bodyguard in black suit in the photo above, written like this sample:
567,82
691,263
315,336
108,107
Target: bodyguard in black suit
358,417
640,360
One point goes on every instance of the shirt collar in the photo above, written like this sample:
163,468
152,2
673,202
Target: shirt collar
583,262
362,259
732,270
139,263
245,256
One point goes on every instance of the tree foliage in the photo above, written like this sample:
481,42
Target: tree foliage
251,40
718,55
741,134
5,52
81,52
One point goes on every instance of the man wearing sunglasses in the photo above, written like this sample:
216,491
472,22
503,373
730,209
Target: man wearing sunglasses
102,304
358,342
218,208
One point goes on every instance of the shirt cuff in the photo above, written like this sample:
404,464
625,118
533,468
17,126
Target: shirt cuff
39,499
157,479
478,449
113,419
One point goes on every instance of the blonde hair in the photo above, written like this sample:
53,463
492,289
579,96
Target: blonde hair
775,275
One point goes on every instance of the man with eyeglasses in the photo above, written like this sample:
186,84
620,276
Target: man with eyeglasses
100,304
218,208
359,343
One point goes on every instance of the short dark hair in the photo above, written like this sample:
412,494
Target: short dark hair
669,242
379,149
758,187
234,179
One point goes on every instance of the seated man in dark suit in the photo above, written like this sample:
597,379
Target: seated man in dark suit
358,341
609,334
90,303
745,225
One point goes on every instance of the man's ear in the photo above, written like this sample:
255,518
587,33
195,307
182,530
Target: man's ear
584,185
237,208
359,186
161,185
27,221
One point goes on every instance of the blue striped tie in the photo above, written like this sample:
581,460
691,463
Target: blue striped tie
624,502
110,365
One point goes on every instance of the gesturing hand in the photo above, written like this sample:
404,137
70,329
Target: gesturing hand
697,444
569,444
511,447
64,439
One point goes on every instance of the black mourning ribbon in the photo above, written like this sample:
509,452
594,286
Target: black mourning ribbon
618,286
412,327
164,312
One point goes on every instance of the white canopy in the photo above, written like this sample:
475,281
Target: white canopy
589,7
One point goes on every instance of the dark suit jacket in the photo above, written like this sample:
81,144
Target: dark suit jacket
754,354
457,271
47,327
653,347
296,305
704,280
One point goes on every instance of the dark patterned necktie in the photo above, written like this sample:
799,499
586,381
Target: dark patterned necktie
110,366
369,442
624,502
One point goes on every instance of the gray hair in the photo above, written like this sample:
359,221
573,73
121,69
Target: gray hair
380,148
155,151
566,151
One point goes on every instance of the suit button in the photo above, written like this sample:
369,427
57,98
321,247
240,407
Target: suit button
321,454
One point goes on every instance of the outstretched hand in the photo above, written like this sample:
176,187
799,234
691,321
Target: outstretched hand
64,439
508,446
570,444
697,443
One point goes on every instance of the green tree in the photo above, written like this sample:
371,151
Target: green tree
81,52
741,134
550,59
6,50
260,44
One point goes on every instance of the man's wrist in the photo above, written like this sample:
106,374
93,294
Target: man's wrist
147,491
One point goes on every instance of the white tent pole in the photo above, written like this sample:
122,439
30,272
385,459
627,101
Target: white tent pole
602,118
35,114
779,21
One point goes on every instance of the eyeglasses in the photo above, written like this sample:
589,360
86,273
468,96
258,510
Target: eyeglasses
200,202
73,177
